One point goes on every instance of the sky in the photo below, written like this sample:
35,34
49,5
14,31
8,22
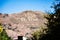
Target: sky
14,6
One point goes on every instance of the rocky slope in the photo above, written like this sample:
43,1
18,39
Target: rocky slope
24,23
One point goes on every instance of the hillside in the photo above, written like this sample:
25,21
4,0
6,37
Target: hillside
23,23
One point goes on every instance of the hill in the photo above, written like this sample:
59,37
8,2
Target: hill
23,23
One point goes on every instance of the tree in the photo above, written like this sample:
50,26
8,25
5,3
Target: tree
39,33
53,24
3,34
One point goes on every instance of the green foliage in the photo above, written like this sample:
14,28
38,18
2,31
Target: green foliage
36,35
53,24
4,36
39,33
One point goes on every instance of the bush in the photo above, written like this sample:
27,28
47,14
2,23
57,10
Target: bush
39,33
3,35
